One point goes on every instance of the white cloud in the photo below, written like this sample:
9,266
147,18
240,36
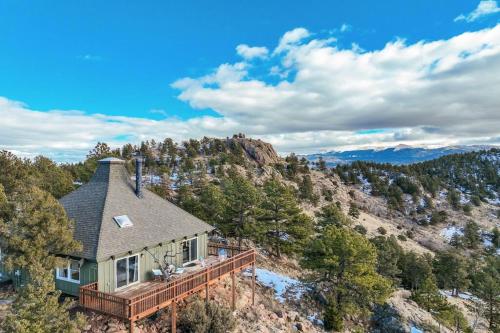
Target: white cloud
322,97
248,52
291,38
447,85
159,111
345,27
485,7
90,57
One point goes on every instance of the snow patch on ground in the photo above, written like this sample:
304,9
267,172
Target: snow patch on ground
282,284
414,329
465,295
495,201
450,230
366,186
314,319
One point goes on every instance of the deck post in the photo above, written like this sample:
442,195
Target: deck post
233,292
174,317
253,284
207,277
131,326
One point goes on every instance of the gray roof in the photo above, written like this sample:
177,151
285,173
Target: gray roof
111,193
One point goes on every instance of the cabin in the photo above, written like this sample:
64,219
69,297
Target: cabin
128,235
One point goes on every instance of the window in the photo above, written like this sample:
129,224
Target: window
189,250
127,271
69,272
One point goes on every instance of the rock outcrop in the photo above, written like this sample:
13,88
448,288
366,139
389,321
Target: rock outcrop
261,152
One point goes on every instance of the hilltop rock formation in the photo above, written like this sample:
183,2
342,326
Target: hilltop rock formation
261,152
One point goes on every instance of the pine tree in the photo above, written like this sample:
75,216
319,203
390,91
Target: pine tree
415,269
213,204
389,255
487,287
34,230
346,262
36,308
306,188
52,178
451,271
331,214
283,223
353,210
242,199
495,238
321,164
428,295
456,240
472,236
101,150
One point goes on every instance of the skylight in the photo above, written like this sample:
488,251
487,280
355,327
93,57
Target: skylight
123,221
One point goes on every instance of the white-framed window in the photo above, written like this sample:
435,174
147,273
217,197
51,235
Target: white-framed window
127,271
69,272
189,250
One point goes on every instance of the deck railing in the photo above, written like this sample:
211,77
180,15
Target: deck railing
147,303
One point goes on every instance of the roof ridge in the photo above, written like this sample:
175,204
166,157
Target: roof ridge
96,255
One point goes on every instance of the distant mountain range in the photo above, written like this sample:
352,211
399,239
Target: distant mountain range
398,155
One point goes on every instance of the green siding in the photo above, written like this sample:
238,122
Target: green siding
4,276
88,274
19,278
106,269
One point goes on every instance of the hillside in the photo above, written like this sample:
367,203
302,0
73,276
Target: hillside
414,218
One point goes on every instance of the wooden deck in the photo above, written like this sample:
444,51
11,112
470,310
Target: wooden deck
141,300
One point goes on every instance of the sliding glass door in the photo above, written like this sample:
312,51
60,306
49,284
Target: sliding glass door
127,271
189,250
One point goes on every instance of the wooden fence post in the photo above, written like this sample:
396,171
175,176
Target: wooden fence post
174,317
233,301
207,277
131,326
253,284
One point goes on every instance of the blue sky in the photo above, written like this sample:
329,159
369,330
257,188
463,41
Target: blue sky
128,60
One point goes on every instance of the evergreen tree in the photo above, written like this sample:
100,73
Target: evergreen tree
283,223
457,240
415,269
213,204
495,238
101,150
487,287
36,308
454,198
353,210
306,188
34,230
346,262
331,214
52,178
242,199
451,271
472,236
321,164
389,255
428,296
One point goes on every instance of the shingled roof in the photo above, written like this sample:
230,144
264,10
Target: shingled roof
110,193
